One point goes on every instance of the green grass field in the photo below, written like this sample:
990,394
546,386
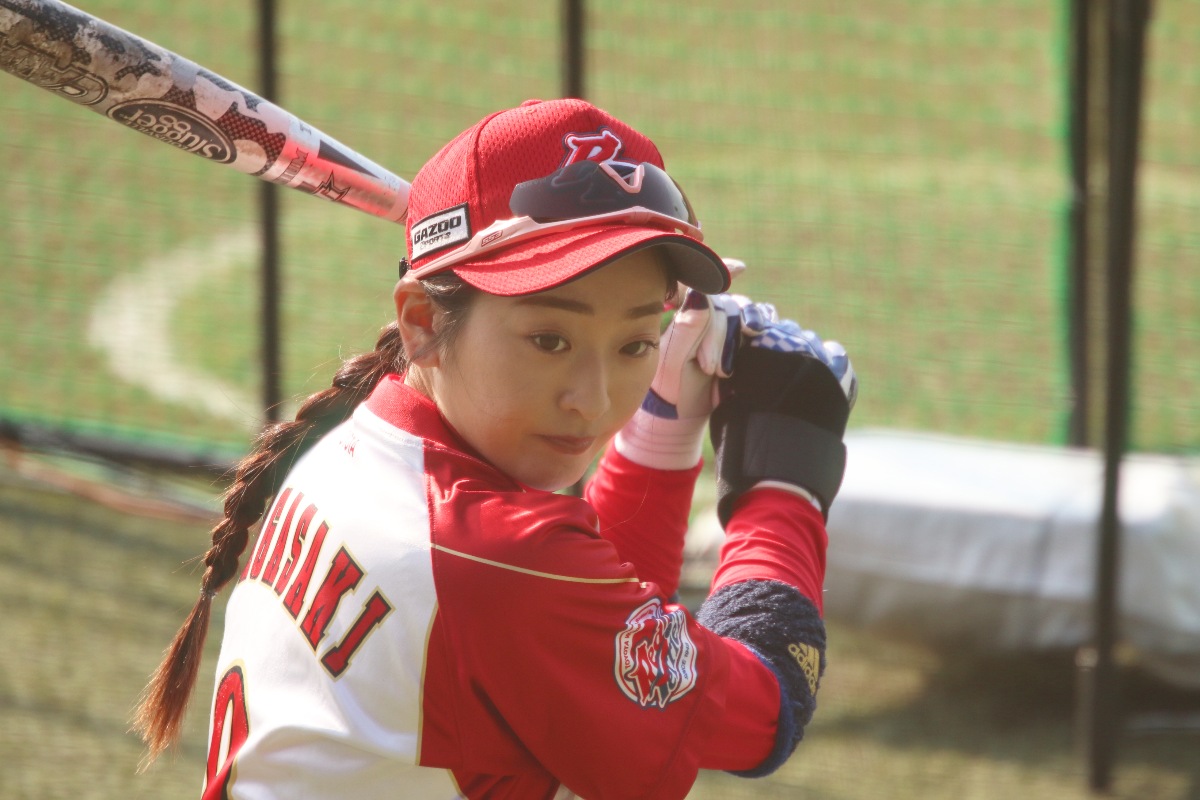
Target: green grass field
92,595
893,172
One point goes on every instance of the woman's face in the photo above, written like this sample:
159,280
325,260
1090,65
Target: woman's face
538,384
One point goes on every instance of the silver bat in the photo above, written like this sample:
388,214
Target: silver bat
163,95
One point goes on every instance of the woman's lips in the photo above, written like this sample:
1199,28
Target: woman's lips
570,445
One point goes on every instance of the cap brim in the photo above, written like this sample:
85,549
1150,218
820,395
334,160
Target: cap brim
555,259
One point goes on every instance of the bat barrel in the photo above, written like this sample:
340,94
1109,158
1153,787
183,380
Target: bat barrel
169,98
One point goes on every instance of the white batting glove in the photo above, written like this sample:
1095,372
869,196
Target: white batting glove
697,349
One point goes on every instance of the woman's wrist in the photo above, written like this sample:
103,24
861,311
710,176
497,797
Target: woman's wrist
661,443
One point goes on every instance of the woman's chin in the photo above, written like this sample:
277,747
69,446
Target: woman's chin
556,485
556,480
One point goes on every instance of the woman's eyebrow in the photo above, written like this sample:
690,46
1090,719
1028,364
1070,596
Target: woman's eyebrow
647,310
580,307
550,301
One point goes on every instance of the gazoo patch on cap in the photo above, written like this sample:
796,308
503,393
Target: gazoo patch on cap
439,231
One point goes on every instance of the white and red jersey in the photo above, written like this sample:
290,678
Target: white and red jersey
413,623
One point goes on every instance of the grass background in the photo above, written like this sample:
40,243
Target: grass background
892,170
92,594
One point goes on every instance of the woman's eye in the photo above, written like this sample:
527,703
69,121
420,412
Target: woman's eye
549,342
642,347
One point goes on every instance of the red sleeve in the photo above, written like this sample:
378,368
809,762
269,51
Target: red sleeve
775,535
644,513
746,734
613,690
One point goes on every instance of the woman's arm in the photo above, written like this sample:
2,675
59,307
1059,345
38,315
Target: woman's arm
644,513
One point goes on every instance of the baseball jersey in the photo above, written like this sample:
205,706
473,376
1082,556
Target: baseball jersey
411,622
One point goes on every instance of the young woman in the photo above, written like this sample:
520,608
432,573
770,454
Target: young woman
423,615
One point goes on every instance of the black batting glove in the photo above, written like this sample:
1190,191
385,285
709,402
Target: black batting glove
783,413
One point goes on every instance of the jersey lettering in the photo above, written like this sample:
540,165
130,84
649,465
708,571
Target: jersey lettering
230,729
293,599
254,565
343,576
286,545
272,567
337,658
298,537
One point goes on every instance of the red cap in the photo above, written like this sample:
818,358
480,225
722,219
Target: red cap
466,187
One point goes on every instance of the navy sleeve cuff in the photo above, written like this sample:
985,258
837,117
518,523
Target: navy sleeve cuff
784,629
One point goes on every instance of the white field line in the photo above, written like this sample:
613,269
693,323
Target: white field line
131,324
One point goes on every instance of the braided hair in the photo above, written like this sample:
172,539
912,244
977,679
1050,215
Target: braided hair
159,715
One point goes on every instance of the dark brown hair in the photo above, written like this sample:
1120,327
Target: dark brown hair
159,715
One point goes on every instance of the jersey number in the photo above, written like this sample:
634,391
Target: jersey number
230,727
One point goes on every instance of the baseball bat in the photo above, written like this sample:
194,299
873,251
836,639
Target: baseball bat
163,95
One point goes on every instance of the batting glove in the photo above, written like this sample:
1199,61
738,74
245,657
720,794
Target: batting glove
783,413
762,328
696,350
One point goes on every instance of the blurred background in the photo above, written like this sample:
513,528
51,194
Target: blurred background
898,174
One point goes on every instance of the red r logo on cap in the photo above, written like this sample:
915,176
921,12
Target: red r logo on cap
603,146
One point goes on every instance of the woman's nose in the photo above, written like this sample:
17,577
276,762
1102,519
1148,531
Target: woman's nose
587,392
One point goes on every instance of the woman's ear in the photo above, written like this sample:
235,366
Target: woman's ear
415,314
